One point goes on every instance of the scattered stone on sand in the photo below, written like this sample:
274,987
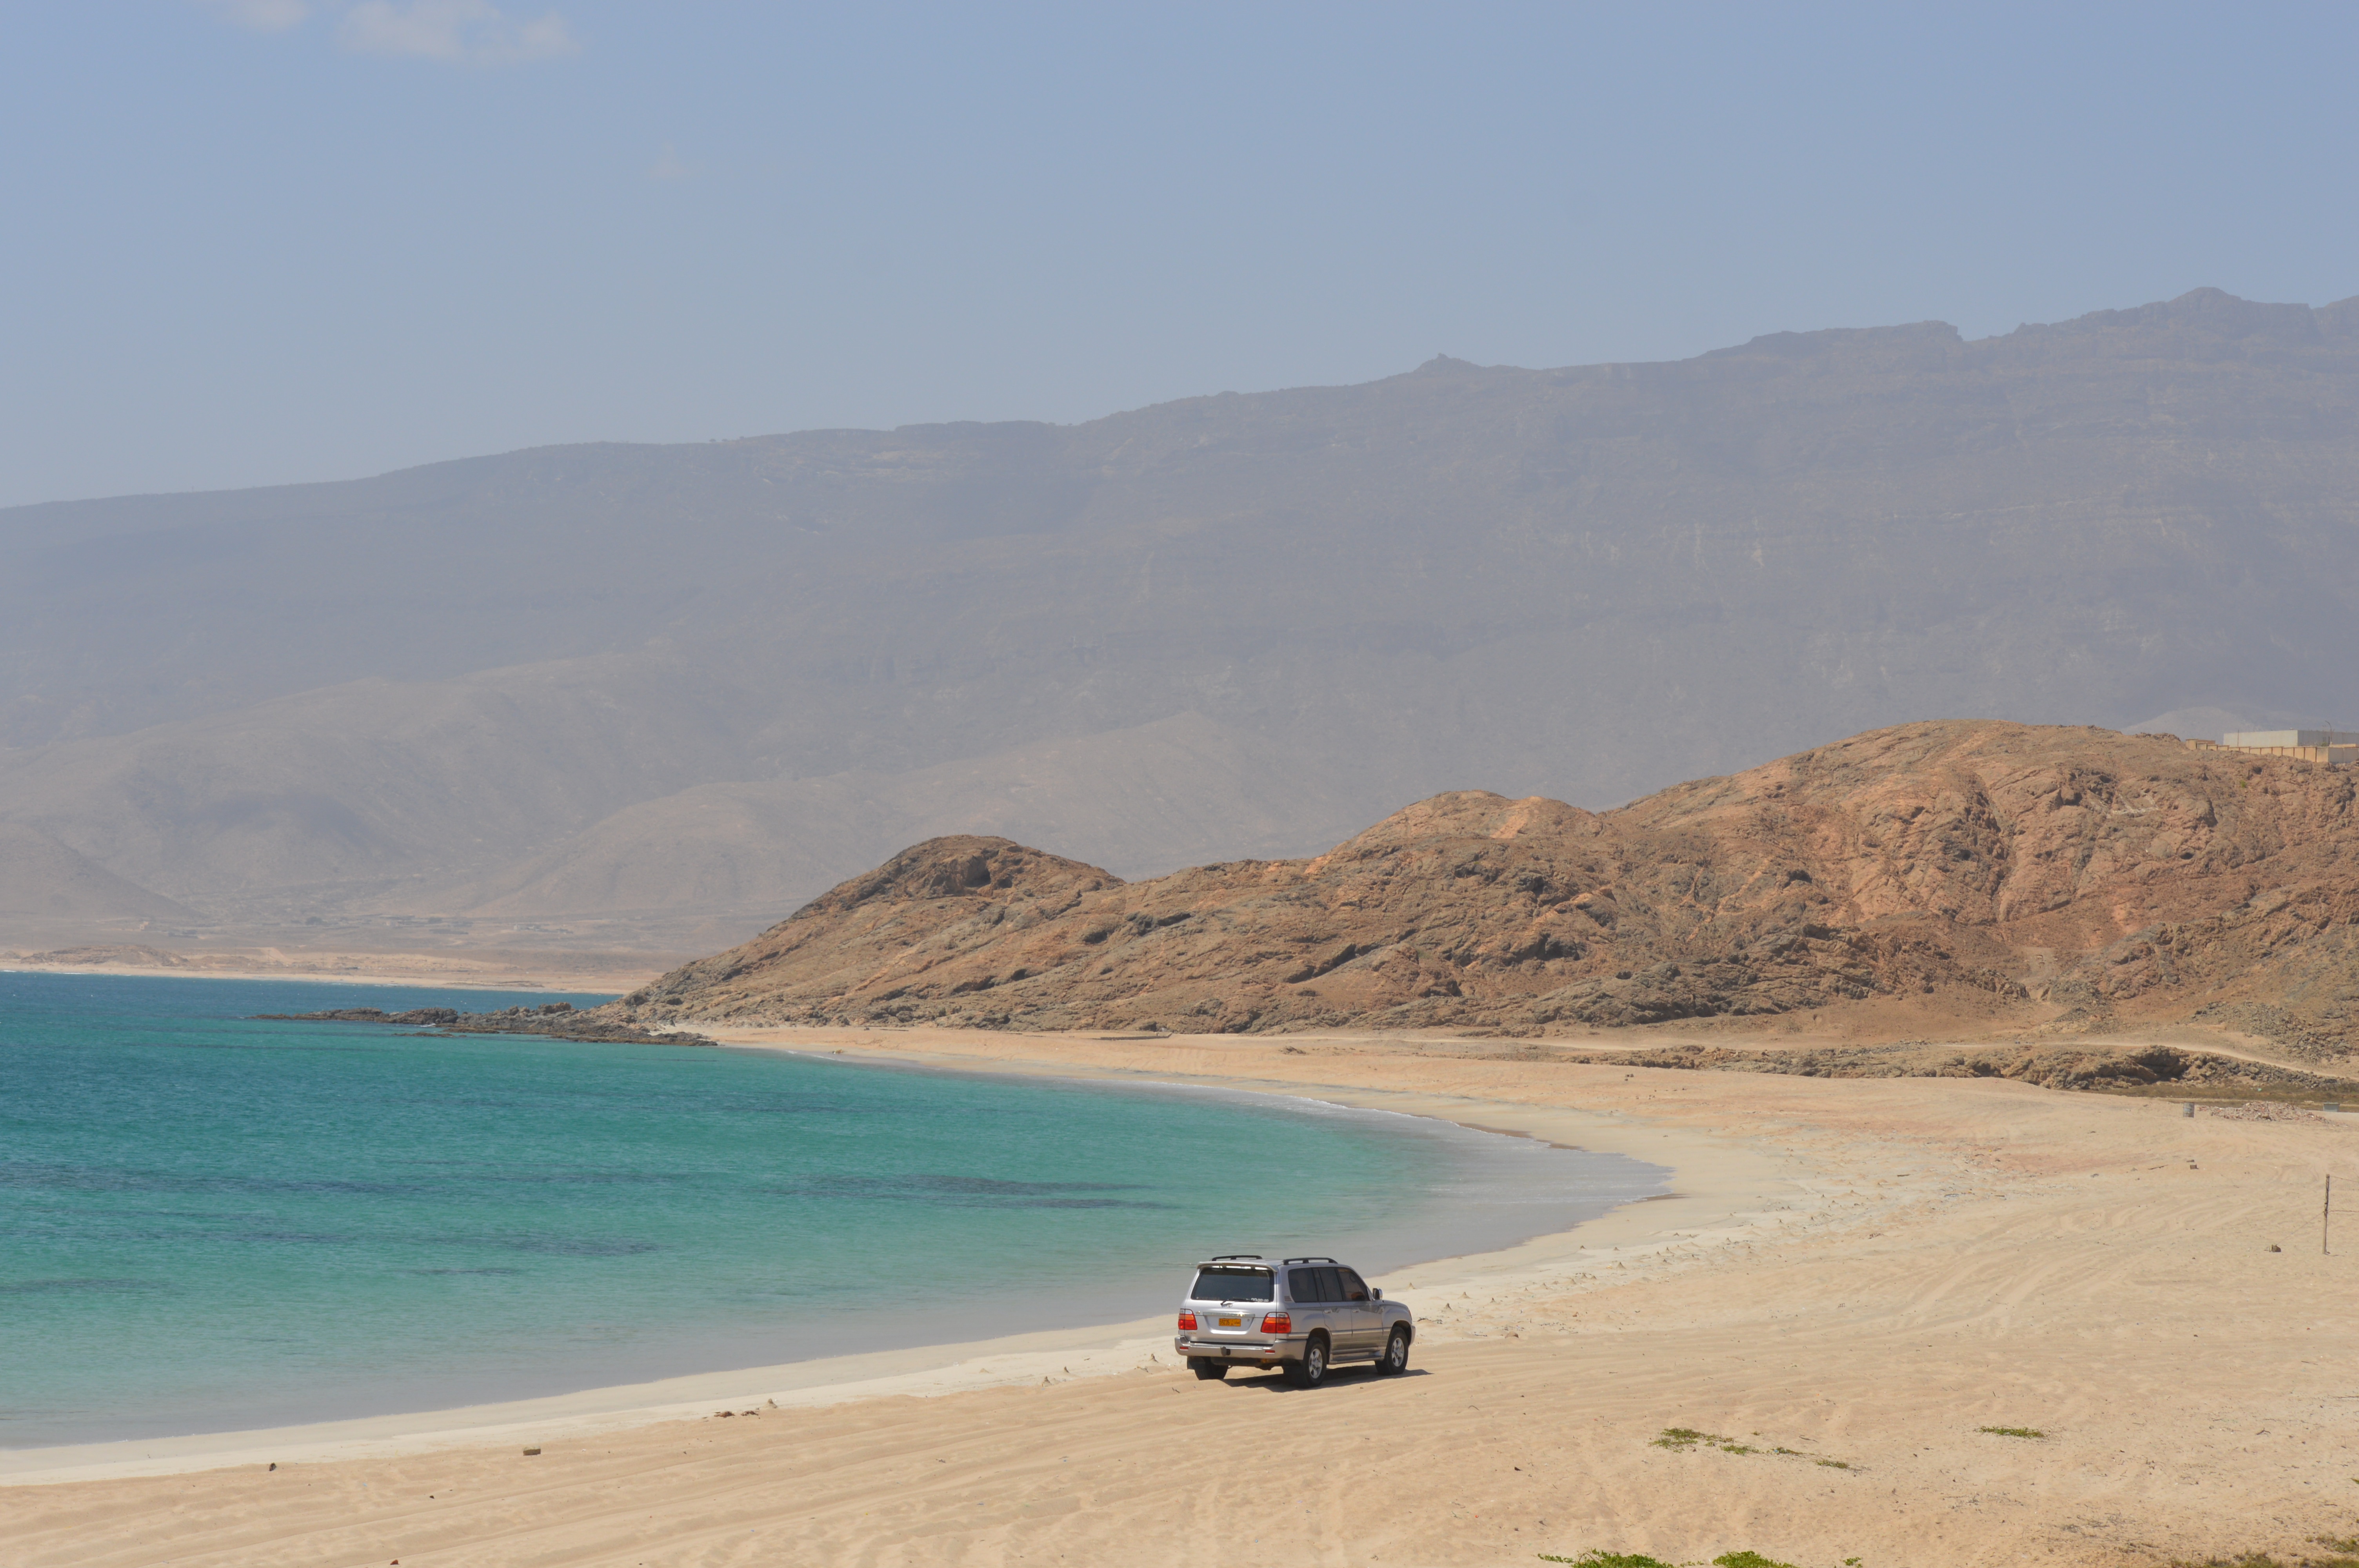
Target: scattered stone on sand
2264,1111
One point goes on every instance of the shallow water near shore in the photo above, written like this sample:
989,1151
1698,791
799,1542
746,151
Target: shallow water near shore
209,1222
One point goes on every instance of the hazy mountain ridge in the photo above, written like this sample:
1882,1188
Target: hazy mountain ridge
1581,583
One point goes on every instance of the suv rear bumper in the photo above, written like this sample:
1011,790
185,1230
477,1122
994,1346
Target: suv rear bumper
1286,1348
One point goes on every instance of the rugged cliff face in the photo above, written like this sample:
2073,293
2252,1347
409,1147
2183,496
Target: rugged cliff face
2012,873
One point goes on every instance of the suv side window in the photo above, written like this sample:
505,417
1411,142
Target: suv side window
1315,1285
1355,1289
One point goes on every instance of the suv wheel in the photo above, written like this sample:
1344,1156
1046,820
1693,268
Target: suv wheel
1204,1367
1395,1359
1312,1370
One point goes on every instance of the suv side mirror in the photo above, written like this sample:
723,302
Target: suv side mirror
1378,1294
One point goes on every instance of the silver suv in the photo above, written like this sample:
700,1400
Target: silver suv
1301,1315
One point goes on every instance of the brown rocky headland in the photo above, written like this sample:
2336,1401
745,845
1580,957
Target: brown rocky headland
1960,880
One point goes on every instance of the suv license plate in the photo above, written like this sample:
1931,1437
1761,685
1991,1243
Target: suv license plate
1233,1322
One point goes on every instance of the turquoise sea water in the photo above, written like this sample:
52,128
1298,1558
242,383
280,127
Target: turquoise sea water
209,1223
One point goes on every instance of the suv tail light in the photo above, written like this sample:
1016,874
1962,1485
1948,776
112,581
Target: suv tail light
1278,1323
1188,1322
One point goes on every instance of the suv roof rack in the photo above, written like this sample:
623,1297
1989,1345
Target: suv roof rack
1310,1260
1226,1257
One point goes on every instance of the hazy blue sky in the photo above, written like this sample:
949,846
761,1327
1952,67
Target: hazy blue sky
249,243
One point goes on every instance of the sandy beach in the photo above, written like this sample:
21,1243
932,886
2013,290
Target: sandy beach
1851,1281
596,974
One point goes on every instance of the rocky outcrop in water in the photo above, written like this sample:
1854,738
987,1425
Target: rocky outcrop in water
556,1019
429,1015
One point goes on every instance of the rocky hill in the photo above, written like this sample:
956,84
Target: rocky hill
1969,875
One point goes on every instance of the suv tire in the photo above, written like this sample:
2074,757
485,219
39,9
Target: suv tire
1312,1370
1204,1367
1395,1361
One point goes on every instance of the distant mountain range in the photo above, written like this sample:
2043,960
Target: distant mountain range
674,691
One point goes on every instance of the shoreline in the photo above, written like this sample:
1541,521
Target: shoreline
1962,1320
1713,1185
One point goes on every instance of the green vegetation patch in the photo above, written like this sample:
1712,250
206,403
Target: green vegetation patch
1681,1438
2012,1431
1684,1439
1640,1560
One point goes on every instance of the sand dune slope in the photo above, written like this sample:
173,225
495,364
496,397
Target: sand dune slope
1937,1256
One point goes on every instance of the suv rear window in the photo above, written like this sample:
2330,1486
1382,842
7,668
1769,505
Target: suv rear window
1233,1285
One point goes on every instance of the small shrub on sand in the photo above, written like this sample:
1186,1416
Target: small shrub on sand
1640,1560
2012,1431
1686,1437
1682,1438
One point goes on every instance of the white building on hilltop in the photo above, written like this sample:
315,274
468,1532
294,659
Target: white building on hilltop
2335,748
2275,739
